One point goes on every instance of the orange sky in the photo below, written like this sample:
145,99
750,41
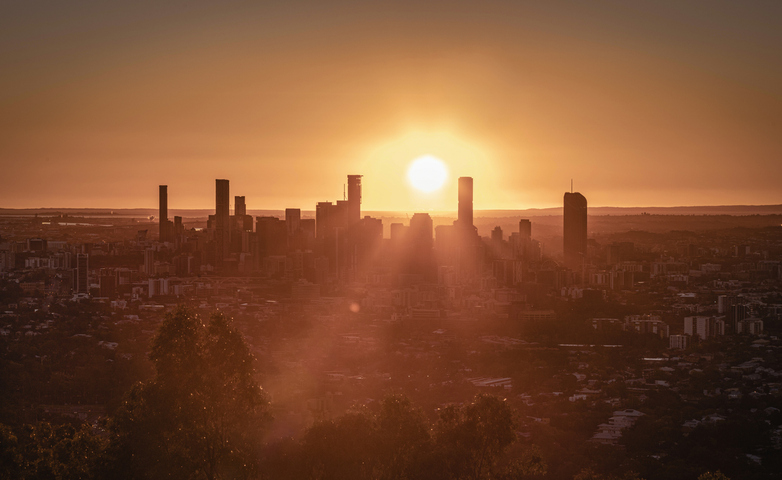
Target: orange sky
642,103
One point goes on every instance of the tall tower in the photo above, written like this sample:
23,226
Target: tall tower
421,228
222,219
240,208
420,242
525,229
465,201
354,199
292,220
82,273
575,230
163,214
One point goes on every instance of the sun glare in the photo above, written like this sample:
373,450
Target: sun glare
427,173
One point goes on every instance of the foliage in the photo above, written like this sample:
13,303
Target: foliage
201,416
473,436
398,443
713,476
44,451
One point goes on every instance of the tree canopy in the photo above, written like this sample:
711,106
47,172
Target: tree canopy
201,416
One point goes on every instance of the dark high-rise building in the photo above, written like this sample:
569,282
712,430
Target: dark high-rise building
292,220
163,214
354,199
222,221
496,235
525,229
421,229
322,219
307,226
240,208
82,284
272,236
523,242
465,202
420,241
368,238
575,230
497,242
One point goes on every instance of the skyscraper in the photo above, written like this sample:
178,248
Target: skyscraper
420,241
525,229
149,261
222,219
575,230
322,219
292,220
421,228
240,208
163,214
354,199
82,273
272,236
465,202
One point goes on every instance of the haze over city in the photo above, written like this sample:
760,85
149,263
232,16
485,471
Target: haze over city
376,240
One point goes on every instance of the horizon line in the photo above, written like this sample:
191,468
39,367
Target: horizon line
282,209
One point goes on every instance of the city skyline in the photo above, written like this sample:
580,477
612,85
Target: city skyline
644,104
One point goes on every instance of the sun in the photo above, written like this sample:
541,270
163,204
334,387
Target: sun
427,173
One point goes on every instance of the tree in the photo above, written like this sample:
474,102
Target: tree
342,449
203,413
361,445
472,437
713,476
43,451
403,437
531,464
10,460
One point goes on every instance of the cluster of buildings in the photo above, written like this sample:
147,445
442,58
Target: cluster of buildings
340,246
701,287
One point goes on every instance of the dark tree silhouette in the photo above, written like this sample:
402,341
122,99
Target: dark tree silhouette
473,436
201,416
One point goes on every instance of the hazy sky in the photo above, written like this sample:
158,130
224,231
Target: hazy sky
642,103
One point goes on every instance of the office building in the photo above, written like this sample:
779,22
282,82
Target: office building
240,208
323,212
165,231
179,228
575,230
678,342
222,218
149,261
354,199
82,283
292,221
465,202
704,327
420,242
272,236
525,229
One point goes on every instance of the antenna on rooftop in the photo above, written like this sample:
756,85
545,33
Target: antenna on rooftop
571,185
344,195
